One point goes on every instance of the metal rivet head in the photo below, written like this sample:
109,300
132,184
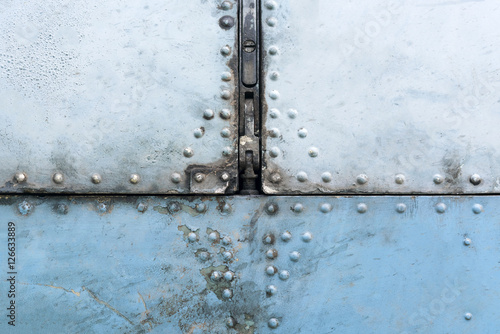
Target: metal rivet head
362,208
477,208
175,177
204,256
272,254
101,207
226,151
216,276
302,176
467,241
441,208
273,50
292,113
208,114
201,207
225,50
226,241
271,290
274,94
274,113
286,236
227,256
226,76
142,207
468,316
297,208
174,207
274,152
362,179
192,237
313,152
226,208
401,207
225,176
62,209
326,177
325,207
188,152
302,133
274,133
225,94
25,208
400,179
225,132
294,256
230,322
272,21
58,178
274,76
271,4
284,275
273,323
135,178
475,179
198,133
226,22
227,293
268,239
226,5
438,179
214,237
20,177
199,177
307,237
96,178
271,270
228,276
272,208
225,114
275,178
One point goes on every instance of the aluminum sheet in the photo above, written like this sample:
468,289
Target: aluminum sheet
116,88
302,264
381,96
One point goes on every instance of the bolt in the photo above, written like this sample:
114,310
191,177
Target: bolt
273,323
272,254
362,208
226,22
188,152
199,177
307,237
225,176
475,179
362,179
135,178
20,177
175,178
268,239
400,179
58,178
286,236
142,207
467,241
438,179
249,46
275,178
294,256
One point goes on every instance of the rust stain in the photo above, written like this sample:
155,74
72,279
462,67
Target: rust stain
102,302
196,326
55,287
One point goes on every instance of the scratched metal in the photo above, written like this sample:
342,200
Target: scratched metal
381,88
115,88
99,265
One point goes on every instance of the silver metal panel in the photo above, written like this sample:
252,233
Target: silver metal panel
116,88
362,264
405,93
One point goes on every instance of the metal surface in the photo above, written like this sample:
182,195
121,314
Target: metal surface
258,264
92,93
381,96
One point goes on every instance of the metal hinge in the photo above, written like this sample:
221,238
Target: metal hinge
249,96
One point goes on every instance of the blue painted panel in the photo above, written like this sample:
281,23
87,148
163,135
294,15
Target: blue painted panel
313,264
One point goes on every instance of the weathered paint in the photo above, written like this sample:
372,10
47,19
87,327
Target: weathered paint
115,88
126,265
381,88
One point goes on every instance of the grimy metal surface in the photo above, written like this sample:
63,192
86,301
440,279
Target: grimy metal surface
118,96
251,264
381,96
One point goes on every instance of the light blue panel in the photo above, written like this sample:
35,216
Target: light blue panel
364,264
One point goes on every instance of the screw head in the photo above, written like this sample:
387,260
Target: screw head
273,323
400,179
226,5
175,178
274,152
475,179
274,133
225,176
292,113
58,178
274,113
274,75
20,177
362,179
249,46
271,4
135,178
294,256
96,178
227,151
226,208
199,177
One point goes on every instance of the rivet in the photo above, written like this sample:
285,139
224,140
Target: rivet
226,208
225,132
62,209
198,133
401,207
227,293
292,113
199,177
96,178
441,207
297,208
226,5
307,237
475,179
228,276
274,133
102,207
284,275
271,270
58,178
400,179
25,208
20,177
286,236
275,178
326,177
175,177
362,208
274,76
225,50
270,4
226,22
227,256
192,237
230,322
208,114
362,179
468,316
325,207
174,207
294,256
477,208
225,176
272,208
273,50
274,113
274,94
135,178
226,76
213,237
274,152
271,290
467,241
225,94
188,152
225,114
272,254
204,256
313,152
302,132
201,207
271,21
438,179
273,323
302,176
216,276
268,239
142,207
226,151
226,241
